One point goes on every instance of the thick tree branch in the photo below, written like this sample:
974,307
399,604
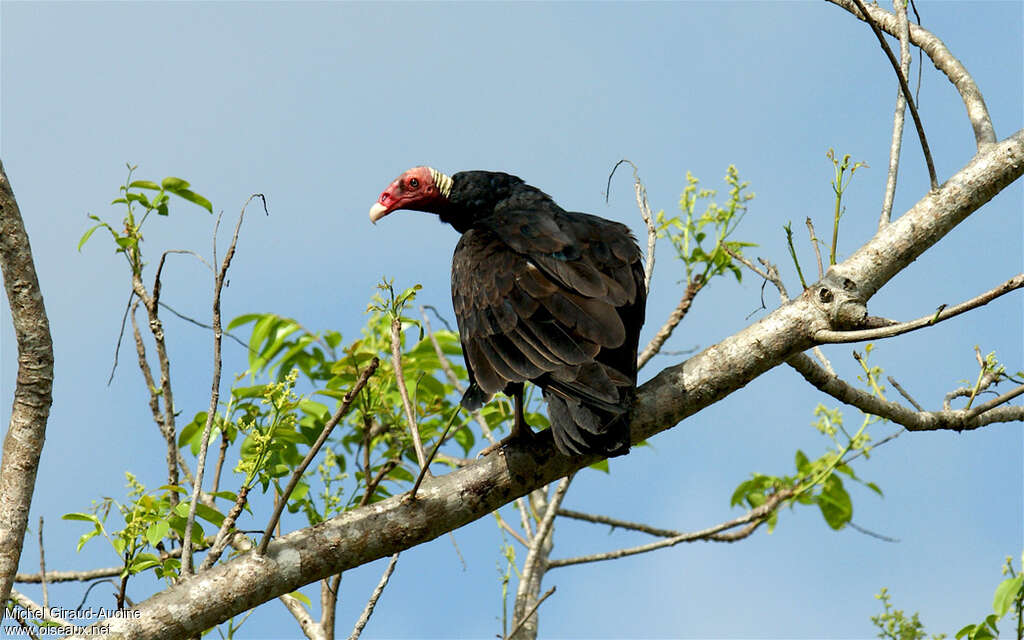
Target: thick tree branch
467,494
935,215
33,392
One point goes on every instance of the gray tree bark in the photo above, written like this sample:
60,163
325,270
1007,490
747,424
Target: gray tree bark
33,392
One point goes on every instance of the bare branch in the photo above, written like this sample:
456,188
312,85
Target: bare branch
211,414
298,610
817,249
530,612
953,420
754,518
977,112
906,92
826,336
38,611
645,213
995,402
901,391
42,566
368,610
899,114
33,390
536,563
615,523
314,450
224,535
512,532
670,325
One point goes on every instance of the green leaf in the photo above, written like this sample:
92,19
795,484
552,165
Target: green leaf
244,319
88,234
86,537
156,532
835,504
144,184
801,461
601,465
174,184
301,597
212,516
142,562
84,517
193,197
1006,594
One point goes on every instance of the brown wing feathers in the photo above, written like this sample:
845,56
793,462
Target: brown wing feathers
547,299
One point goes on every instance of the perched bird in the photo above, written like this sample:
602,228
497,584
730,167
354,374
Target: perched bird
542,295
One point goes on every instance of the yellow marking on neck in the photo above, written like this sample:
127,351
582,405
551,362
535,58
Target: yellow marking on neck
441,181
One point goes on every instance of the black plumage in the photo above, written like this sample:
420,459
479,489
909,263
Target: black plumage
542,295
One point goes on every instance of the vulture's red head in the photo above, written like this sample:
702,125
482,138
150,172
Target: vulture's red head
419,189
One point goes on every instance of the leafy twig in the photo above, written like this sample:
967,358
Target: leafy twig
313,450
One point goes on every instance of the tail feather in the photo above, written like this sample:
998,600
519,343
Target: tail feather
581,429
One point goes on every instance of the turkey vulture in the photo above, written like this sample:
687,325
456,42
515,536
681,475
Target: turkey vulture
540,294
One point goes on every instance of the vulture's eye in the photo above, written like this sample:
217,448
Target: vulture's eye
414,183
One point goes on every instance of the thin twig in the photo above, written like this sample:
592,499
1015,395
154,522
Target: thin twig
42,567
120,335
223,537
226,334
396,361
313,450
788,228
372,602
446,366
512,532
645,212
823,360
906,92
754,516
817,249
899,115
827,336
674,318
868,532
433,452
372,485
211,414
530,612
615,523
770,274
904,393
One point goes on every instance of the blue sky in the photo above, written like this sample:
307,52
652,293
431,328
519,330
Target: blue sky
319,106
